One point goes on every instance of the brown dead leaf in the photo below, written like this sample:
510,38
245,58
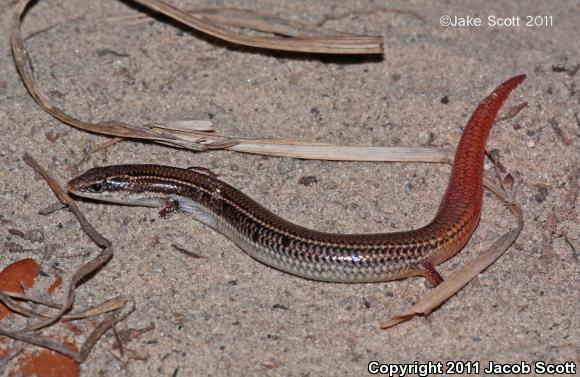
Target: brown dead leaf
45,363
55,284
17,275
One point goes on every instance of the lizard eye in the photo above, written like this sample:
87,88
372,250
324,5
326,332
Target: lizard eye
96,187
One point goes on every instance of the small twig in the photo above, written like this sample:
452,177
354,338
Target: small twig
561,132
512,112
186,252
8,357
125,336
494,157
51,208
41,31
105,307
120,345
572,247
106,145
16,232
559,214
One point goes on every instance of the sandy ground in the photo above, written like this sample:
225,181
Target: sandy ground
226,313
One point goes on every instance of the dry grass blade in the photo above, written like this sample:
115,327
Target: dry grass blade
247,19
459,279
81,355
186,125
65,199
110,128
51,208
4,360
26,297
113,128
12,305
106,144
105,254
111,305
201,141
193,139
264,22
120,306
334,44
311,151
104,307
513,112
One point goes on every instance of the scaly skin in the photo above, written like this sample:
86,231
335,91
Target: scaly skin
349,258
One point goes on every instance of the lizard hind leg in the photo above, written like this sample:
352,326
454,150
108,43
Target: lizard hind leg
427,270
170,208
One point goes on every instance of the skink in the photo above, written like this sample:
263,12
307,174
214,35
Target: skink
349,258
